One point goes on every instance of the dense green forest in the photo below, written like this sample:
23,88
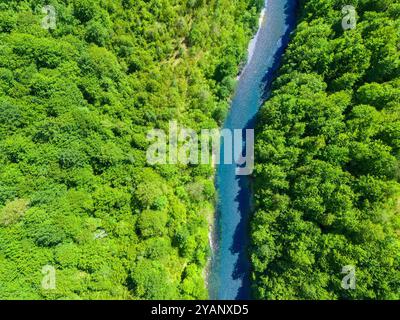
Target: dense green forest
327,191
76,102
76,192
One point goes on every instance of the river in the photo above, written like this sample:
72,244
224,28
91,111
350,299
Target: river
230,268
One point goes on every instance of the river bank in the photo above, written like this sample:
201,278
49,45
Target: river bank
230,266
212,233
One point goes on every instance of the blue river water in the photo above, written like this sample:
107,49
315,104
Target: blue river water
230,268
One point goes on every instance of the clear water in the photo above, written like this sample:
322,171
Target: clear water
229,272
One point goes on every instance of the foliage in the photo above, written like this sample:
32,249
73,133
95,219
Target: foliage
76,104
327,177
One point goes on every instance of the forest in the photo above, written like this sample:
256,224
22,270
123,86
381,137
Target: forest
76,102
327,174
78,198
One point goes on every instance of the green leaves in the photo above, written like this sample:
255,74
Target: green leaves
152,223
327,161
76,104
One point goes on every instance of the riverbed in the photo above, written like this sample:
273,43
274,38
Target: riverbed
230,267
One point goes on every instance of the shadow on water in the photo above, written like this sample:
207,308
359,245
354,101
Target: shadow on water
244,198
271,73
241,234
